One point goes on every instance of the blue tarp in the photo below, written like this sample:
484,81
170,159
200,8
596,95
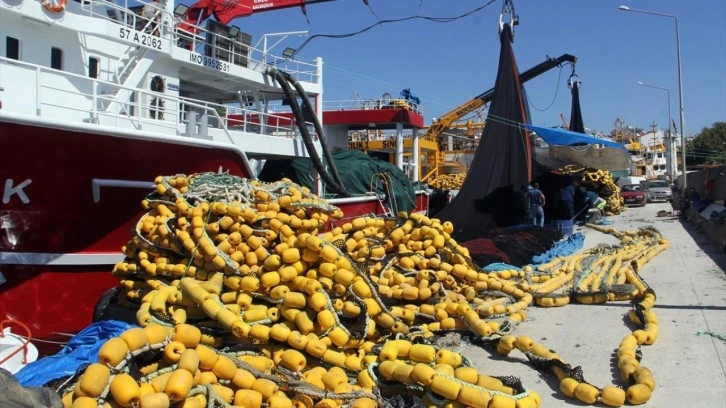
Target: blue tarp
566,247
82,349
562,137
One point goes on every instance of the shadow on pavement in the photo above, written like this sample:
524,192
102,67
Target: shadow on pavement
659,306
707,245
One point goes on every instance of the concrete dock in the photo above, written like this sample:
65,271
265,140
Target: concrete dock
688,359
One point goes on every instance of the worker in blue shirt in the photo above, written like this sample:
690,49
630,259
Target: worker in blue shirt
536,204
568,198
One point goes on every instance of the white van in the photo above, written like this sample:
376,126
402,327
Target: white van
623,181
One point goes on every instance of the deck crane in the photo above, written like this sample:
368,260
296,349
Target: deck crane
227,10
565,122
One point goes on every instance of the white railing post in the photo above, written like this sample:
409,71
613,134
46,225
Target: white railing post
37,90
94,101
139,112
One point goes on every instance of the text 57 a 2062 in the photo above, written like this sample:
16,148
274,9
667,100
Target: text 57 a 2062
146,40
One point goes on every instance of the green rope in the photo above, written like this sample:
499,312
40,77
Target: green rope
719,336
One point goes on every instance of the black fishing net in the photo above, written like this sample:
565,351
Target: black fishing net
405,401
545,364
576,122
502,159
515,246
61,384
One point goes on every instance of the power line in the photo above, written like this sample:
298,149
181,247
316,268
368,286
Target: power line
398,20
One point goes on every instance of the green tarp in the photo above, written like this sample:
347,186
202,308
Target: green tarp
359,172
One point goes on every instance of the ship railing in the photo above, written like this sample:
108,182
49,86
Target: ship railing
372,104
216,41
245,120
74,97
143,16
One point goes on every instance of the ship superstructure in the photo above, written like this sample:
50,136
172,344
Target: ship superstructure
97,98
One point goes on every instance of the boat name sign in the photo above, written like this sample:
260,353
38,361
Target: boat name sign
140,38
262,4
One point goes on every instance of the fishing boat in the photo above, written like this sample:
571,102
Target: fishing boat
97,98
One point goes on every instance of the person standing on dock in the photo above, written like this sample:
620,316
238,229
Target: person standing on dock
536,204
524,202
568,199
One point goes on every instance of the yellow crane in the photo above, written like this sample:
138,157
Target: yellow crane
447,120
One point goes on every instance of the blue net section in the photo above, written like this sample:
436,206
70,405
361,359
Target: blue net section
566,247
500,266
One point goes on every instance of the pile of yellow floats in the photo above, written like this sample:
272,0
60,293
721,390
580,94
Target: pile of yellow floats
243,302
448,181
601,182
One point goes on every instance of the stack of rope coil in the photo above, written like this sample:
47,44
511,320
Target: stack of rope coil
242,302
601,182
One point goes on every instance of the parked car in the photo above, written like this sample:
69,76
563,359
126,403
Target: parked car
633,194
624,181
658,190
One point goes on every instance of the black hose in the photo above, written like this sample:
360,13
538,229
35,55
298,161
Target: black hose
307,140
318,126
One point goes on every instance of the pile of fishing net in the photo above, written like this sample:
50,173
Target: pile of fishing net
244,301
514,246
601,182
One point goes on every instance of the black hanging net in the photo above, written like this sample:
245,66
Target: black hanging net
502,163
576,122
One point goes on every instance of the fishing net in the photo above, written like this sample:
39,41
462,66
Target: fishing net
515,246
360,173
576,122
502,162
242,301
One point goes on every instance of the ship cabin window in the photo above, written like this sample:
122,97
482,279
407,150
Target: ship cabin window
93,63
56,58
660,155
12,48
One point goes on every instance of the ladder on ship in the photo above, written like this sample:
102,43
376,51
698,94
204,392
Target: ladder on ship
132,65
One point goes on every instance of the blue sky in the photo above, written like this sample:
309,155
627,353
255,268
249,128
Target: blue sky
446,64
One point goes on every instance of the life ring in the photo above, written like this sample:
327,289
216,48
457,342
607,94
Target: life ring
55,6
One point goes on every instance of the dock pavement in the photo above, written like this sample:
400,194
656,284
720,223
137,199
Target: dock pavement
688,360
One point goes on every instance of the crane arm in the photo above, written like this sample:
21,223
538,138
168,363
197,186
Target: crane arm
227,10
565,122
480,100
